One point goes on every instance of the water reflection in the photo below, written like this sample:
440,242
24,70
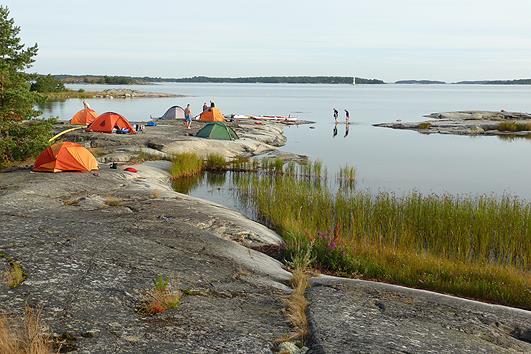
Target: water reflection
186,184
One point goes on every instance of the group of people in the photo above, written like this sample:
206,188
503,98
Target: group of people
336,115
188,113
347,120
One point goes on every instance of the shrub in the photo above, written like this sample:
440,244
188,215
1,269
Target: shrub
22,140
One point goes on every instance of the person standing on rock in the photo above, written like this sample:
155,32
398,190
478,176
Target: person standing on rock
188,116
336,115
205,107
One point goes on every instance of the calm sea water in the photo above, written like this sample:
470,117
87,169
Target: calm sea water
385,159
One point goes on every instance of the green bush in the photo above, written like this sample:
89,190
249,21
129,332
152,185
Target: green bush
215,162
23,140
47,83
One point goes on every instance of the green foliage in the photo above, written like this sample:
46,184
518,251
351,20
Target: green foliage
47,83
117,80
161,283
16,100
22,140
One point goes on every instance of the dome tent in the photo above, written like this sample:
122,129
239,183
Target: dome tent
175,112
106,122
65,156
212,115
84,117
219,131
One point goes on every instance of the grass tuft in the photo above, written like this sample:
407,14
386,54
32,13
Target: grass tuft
28,337
112,201
161,298
424,125
514,126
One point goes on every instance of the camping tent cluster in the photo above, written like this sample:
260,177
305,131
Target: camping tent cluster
104,123
212,114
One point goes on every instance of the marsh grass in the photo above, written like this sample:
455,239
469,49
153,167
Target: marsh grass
28,337
473,247
514,126
346,177
186,165
215,162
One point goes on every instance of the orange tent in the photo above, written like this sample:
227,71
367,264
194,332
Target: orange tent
108,121
84,117
212,115
65,157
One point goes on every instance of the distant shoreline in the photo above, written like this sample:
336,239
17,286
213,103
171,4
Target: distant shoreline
330,80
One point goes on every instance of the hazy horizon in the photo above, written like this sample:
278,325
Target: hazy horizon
409,40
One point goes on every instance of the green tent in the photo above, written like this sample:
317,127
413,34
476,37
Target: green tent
217,131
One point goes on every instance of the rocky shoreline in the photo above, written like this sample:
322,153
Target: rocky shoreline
468,123
88,263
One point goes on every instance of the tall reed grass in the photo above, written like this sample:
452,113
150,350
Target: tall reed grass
473,247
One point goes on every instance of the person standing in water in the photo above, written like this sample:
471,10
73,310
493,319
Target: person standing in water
347,116
188,116
336,115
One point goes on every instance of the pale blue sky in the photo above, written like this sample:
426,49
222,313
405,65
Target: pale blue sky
388,39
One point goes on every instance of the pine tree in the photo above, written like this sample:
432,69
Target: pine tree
16,100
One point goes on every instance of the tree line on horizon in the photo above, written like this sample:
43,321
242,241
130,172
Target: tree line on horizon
142,80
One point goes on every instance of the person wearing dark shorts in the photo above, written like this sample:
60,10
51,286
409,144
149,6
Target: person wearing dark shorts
188,116
336,115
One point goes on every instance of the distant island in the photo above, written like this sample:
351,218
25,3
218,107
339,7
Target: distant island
421,82
497,82
135,80
362,81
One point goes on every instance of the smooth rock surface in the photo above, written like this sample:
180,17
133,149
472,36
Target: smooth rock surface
356,316
89,264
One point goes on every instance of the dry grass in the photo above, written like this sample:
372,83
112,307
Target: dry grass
112,201
296,303
161,298
28,337
155,194
73,202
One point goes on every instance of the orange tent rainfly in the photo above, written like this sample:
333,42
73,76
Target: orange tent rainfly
65,157
84,117
212,115
106,122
